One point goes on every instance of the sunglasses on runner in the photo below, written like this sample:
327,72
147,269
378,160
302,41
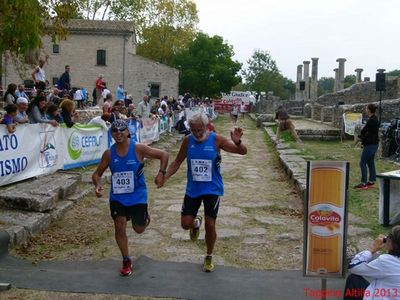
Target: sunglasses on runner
118,130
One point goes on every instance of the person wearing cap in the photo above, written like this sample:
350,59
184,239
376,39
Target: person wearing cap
128,192
22,106
204,181
377,278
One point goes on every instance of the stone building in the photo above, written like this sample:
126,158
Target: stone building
97,47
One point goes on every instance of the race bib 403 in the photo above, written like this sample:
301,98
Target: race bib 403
123,182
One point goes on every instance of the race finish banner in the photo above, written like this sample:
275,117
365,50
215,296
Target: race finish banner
325,223
350,120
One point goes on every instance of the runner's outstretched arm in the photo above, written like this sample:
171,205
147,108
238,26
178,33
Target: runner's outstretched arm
105,159
180,157
233,146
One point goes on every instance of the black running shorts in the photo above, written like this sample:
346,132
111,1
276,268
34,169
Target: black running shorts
138,213
191,206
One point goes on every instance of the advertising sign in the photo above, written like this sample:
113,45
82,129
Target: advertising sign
82,145
350,121
325,219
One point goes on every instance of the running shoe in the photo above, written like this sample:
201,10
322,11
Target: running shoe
361,186
370,184
126,268
208,265
195,231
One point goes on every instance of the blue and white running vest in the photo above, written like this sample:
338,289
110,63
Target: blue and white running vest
128,185
203,164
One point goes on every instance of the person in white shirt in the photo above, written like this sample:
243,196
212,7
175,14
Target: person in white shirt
78,97
376,278
22,106
39,76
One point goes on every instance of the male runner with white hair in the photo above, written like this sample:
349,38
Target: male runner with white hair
204,181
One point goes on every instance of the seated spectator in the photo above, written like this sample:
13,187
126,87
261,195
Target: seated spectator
115,114
37,111
54,114
374,276
182,126
8,118
284,123
22,106
68,112
9,96
20,92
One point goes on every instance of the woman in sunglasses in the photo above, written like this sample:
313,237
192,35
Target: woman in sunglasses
376,278
128,192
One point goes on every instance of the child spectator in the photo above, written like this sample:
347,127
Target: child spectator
54,114
8,118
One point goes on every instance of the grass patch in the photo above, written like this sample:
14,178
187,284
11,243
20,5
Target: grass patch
362,203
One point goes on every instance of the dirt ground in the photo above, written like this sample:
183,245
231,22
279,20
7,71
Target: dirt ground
259,224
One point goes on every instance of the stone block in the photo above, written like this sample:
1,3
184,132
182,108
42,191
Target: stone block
18,235
327,114
316,112
33,222
61,208
265,118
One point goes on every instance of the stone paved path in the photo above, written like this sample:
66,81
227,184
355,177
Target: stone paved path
259,224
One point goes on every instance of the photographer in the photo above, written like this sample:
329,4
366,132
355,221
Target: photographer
377,278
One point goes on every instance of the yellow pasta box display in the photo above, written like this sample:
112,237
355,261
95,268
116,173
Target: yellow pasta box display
325,223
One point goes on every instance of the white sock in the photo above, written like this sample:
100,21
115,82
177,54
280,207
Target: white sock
196,223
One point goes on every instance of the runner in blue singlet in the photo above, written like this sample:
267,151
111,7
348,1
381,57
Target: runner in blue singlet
204,181
128,192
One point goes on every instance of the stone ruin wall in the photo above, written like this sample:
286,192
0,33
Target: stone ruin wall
363,92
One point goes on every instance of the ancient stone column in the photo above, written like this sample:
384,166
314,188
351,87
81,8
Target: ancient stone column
358,76
336,84
341,73
314,79
306,78
298,79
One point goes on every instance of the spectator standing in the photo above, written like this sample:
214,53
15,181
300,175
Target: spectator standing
144,108
64,83
369,136
22,106
105,92
54,96
20,92
68,112
78,97
120,92
100,85
108,104
39,76
9,96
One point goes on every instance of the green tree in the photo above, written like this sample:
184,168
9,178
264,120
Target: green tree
393,73
262,75
163,27
349,80
325,85
24,22
207,67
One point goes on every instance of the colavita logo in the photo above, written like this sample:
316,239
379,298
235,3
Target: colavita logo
323,217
